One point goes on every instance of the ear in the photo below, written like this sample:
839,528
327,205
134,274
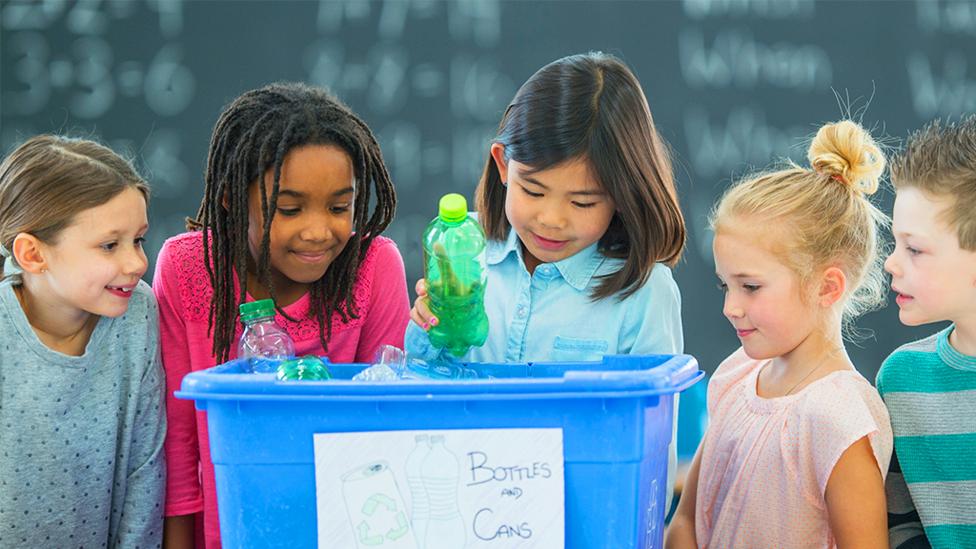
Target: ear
498,155
833,285
29,252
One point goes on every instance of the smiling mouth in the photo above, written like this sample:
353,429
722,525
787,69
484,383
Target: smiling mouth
744,333
311,257
547,243
121,291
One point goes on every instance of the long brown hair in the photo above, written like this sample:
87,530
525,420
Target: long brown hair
591,107
49,179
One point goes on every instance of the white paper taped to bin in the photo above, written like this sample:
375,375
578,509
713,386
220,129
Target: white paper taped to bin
442,489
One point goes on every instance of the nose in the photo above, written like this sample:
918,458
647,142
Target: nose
135,262
731,309
891,265
317,229
552,217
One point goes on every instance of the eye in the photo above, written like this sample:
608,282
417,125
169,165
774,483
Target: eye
912,251
722,287
340,209
584,204
751,288
288,212
140,241
530,193
109,246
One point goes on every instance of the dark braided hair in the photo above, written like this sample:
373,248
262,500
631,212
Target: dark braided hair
253,135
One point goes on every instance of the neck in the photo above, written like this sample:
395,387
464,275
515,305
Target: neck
963,337
816,356
287,291
530,261
60,327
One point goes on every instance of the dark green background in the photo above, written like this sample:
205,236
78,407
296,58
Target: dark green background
733,85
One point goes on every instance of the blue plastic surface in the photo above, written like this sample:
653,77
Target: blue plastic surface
616,416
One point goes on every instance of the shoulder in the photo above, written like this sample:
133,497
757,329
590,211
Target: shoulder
181,253
660,287
843,401
382,251
181,277
905,362
735,366
731,372
380,269
381,261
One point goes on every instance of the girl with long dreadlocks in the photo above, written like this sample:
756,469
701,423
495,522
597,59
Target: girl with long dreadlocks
290,178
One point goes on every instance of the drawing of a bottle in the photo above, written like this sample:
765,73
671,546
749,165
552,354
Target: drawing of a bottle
419,504
375,508
441,473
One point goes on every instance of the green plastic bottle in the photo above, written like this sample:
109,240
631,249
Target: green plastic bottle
306,368
454,268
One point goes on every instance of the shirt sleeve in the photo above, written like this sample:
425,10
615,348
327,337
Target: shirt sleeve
141,523
389,305
184,494
654,326
904,525
840,416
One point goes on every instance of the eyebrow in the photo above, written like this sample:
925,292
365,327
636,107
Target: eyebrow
117,233
739,275
534,181
296,194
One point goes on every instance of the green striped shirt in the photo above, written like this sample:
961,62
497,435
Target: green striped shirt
930,390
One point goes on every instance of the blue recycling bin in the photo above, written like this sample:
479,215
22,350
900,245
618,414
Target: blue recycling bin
616,417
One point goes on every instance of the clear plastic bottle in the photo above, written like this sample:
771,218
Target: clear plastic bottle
392,364
455,271
419,504
441,474
263,342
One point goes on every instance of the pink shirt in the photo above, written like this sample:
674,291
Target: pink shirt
765,462
183,290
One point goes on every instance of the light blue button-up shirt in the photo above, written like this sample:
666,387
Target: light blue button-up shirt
549,316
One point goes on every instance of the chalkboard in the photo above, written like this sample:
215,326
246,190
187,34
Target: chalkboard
733,85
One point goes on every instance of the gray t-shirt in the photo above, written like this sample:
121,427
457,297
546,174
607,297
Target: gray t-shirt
81,437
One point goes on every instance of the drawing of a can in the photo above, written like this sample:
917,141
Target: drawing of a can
376,511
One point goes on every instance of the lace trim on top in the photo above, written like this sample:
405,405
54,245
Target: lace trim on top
196,292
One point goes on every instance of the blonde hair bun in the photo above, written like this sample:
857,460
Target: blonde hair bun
845,151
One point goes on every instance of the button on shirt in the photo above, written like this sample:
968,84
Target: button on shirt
549,315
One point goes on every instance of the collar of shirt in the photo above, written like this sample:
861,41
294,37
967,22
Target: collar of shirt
577,270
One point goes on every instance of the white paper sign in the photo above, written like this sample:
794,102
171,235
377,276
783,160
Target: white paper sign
440,489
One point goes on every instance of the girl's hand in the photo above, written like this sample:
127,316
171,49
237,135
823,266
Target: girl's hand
421,312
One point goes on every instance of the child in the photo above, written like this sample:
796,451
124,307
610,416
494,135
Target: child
286,215
81,388
579,205
930,385
798,441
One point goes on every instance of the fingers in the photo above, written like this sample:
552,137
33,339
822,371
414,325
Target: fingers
421,314
421,288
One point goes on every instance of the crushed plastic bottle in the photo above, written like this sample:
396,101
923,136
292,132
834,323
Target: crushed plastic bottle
392,364
306,368
263,342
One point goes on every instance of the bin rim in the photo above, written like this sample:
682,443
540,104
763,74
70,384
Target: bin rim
615,376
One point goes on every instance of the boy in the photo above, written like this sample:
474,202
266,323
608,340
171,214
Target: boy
929,386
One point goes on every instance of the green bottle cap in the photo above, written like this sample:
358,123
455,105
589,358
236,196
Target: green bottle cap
257,309
453,208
